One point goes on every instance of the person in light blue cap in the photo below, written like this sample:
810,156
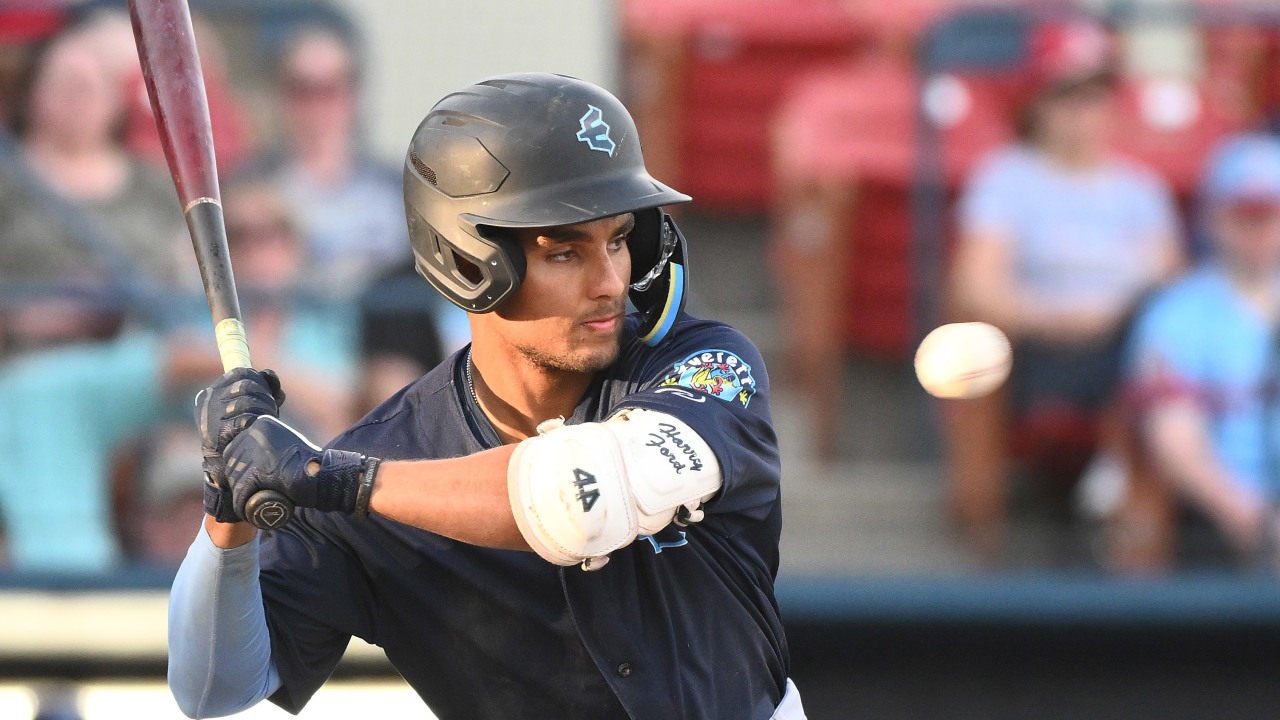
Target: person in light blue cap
1202,365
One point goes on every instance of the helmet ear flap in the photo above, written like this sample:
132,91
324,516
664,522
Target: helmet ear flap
501,273
659,273
511,250
477,269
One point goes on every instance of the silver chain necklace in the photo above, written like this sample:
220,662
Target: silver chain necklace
471,386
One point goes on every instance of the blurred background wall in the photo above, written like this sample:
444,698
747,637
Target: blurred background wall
418,51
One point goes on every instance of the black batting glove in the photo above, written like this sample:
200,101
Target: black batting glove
222,411
270,455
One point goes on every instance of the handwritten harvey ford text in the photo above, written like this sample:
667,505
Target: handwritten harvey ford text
667,438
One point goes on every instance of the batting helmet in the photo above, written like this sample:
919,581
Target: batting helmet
534,150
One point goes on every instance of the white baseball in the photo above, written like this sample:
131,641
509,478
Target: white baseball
963,360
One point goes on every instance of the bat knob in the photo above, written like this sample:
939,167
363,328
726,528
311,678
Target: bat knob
268,509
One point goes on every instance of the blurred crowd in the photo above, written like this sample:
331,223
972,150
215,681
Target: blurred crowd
1145,364
1102,187
104,331
924,161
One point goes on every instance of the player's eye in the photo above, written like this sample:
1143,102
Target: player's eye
619,242
562,255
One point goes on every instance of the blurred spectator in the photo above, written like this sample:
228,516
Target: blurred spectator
68,415
1059,237
76,210
307,339
351,211
62,414
294,325
350,207
1203,363
113,34
156,502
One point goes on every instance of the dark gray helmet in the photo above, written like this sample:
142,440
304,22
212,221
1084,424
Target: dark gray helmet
534,150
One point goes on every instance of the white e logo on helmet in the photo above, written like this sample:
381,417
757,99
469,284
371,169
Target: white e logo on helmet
595,131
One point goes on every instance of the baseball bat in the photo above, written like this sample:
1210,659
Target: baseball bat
171,68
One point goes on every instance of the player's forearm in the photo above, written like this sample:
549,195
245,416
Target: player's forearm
462,498
573,493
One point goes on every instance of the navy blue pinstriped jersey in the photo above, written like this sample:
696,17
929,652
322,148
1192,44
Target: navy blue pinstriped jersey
679,625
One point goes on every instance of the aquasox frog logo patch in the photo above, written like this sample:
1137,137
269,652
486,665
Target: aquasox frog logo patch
718,373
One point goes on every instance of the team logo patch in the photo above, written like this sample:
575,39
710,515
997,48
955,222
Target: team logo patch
718,373
595,131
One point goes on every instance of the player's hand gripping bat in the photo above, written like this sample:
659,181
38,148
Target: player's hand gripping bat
171,67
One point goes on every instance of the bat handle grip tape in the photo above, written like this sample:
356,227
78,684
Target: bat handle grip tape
268,509
233,348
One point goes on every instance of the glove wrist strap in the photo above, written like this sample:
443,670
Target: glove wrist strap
338,481
365,492
218,503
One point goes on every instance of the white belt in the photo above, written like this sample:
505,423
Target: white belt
789,708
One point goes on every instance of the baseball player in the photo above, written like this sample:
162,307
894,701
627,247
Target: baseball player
577,516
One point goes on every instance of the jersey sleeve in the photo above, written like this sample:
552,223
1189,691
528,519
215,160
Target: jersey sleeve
713,378
316,597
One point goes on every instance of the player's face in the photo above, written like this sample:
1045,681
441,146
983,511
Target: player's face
568,312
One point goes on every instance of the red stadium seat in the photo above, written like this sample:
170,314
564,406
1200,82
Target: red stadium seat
22,25
1239,68
1172,125
24,22
846,152
706,79
857,127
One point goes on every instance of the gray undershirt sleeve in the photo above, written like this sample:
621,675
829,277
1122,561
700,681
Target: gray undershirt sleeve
219,645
